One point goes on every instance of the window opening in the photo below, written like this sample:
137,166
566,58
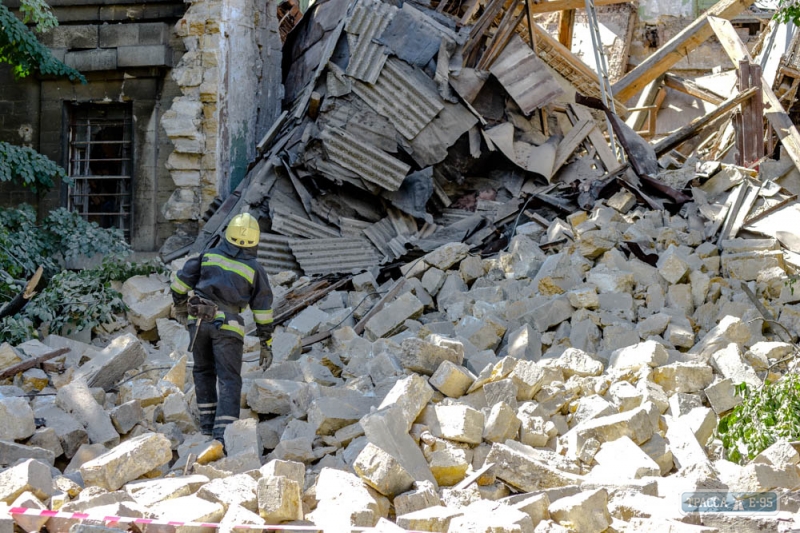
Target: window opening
101,165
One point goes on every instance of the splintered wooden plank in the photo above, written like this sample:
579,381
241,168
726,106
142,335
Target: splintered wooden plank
597,139
676,49
566,22
525,76
571,141
773,110
561,5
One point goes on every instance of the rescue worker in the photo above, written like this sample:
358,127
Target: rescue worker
225,280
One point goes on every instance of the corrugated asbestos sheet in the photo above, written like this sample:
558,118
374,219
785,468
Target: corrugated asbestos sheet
368,22
296,226
275,255
380,233
353,228
404,96
525,76
342,255
375,166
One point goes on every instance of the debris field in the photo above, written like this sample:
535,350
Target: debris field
491,317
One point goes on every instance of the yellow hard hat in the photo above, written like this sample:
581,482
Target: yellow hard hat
243,231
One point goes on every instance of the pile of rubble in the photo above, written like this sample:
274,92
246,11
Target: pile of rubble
526,392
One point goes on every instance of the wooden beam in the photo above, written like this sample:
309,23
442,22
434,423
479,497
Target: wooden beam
565,24
32,362
773,110
563,5
750,134
692,89
676,49
680,136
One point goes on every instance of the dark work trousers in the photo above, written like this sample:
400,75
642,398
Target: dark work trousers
217,365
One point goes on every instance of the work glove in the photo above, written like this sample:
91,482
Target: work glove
181,313
265,358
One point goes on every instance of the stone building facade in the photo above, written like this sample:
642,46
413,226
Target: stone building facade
169,117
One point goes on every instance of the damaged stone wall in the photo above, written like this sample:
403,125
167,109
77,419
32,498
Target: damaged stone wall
231,94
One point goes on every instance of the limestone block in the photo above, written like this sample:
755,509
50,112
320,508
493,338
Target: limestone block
432,280
642,355
77,399
392,317
127,415
189,509
575,362
449,466
780,455
307,321
471,268
11,452
32,523
491,517
623,201
655,324
683,377
762,477
635,424
328,414
551,313
289,469
503,390
234,490
435,519
679,333
447,255
242,436
286,346
150,492
141,390
451,379
586,512
610,281
592,406
525,343
584,297
29,476
386,429
176,410
343,501
424,357
459,423
17,419
687,452
722,396
729,330
128,461
672,265
411,394
381,471
501,423
238,515
771,350
9,356
535,431
747,266
622,458
702,421
277,397
484,333
729,362
46,438
520,468
658,450
104,370
70,432
529,378
144,313
423,495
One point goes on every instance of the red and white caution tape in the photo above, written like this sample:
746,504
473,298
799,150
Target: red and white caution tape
110,519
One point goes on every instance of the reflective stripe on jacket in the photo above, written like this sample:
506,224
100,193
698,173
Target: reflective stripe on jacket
232,278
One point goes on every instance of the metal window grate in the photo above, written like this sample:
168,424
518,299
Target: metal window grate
101,164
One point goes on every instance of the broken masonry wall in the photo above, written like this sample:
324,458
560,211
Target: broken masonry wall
230,90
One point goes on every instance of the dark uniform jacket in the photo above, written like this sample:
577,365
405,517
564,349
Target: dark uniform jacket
230,277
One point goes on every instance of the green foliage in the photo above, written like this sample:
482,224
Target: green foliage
84,298
766,415
788,10
36,171
39,13
20,48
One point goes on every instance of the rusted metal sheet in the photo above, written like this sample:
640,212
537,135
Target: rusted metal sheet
296,226
373,165
342,255
525,76
275,255
407,97
367,57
